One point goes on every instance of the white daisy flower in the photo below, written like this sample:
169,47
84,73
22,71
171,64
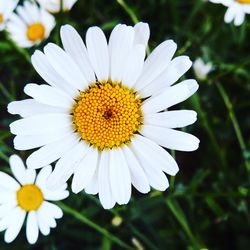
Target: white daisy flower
6,9
54,6
202,69
236,10
31,25
103,115
28,195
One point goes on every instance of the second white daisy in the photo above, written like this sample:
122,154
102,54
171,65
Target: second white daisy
6,9
54,6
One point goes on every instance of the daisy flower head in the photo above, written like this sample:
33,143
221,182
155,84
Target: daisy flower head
202,69
31,25
6,9
103,115
237,9
54,6
28,195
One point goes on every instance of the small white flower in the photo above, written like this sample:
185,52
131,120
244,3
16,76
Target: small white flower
101,117
28,195
53,6
6,9
31,25
236,10
202,69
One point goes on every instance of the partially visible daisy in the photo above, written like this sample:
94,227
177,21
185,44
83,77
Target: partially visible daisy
28,195
54,6
202,69
31,25
236,10
104,116
6,9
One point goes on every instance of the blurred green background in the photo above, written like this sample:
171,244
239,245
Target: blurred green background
207,205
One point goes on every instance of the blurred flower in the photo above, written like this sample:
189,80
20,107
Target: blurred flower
101,116
6,9
54,5
236,10
202,69
31,25
28,196
117,221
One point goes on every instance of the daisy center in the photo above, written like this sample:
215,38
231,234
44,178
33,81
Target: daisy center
36,32
1,18
107,115
30,197
243,1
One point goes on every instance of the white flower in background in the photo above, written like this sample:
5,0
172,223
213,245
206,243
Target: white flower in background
202,69
101,114
28,195
31,25
54,6
6,9
236,10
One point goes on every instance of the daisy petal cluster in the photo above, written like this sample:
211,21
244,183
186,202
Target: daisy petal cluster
6,9
237,9
202,69
103,116
31,25
54,6
28,195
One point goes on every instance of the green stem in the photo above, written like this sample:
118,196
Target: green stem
235,123
4,157
179,215
129,11
6,93
88,222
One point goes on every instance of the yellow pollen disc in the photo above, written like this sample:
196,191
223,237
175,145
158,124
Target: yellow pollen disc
36,32
107,115
1,18
29,197
243,1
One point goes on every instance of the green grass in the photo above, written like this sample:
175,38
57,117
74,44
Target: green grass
207,205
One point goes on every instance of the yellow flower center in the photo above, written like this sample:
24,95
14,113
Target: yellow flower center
29,197
36,32
1,18
243,1
107,115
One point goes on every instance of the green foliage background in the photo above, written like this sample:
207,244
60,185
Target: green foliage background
207,205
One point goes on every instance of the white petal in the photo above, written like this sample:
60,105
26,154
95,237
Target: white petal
85,171
138,176
49,95
48,73
74,46
142,33
18,169
53,210
171,119
230,14
98,52
120,179
31,107
32,228
170,138
132,66
6,208
51,152
42,222
30,176
170,96
92,187
8,182
120,43
105,194
157,155
65,66
239,18
157,61
156,177
65,166
15,227
41,124
179,66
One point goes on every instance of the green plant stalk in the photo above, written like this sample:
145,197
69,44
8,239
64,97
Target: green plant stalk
129,11
234,121
179,215
4,157
80,217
